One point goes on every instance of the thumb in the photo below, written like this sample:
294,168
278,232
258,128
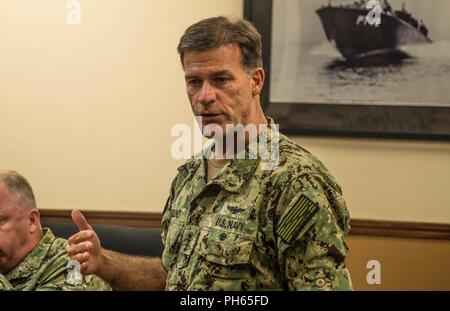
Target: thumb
79,220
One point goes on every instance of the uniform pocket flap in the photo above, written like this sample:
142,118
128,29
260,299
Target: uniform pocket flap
226,253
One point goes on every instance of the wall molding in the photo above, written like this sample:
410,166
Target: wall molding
399,229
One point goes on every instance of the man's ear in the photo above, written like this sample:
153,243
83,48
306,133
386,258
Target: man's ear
34,220
258,77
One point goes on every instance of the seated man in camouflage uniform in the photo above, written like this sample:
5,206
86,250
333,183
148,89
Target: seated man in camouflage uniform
229,224
32,258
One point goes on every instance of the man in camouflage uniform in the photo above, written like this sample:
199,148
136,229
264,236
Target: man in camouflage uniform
255,229
234,224
32,258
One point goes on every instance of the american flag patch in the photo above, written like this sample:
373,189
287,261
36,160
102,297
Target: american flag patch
296,218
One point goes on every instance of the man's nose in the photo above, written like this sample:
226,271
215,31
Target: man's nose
207,94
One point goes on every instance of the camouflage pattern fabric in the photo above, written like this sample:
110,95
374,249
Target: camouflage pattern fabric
254,229
45,269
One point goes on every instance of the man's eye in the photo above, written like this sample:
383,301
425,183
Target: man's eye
220,80
194,82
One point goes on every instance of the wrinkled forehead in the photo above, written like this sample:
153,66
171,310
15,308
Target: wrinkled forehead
220,58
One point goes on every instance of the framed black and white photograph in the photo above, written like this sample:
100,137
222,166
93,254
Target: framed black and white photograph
373,68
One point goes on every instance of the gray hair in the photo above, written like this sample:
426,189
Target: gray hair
19,188
218,31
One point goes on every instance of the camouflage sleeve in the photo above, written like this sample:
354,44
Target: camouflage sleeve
89,283
4,284
165,220
166,213
54,275
310,229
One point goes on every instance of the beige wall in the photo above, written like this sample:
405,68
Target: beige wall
86,112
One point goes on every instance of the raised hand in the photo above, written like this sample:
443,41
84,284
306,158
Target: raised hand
85,246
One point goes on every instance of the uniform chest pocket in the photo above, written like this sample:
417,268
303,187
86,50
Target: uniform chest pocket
227,255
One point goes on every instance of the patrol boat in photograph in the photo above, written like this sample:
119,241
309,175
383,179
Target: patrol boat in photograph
355,35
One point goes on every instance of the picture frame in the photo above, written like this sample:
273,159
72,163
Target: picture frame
352,119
